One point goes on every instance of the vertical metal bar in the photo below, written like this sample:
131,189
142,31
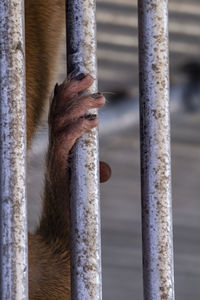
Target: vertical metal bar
158,271
84,190
13,224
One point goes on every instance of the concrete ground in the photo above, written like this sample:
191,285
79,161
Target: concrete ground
120,208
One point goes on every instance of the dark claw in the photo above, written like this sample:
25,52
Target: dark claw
80,76
56,89
97,95
90,117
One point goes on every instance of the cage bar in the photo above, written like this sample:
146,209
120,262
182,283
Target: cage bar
84,187
13,250
158,270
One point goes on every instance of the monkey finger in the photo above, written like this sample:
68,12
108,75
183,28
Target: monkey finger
95,100
105,171
78,84
77,108
67,136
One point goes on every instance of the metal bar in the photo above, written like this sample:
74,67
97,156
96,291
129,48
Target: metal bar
13,249
84,189
158,270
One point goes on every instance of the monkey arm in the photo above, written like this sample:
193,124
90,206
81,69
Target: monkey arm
67,122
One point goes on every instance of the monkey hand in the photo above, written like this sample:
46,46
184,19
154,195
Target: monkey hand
68,121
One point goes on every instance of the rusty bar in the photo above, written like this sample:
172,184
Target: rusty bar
158,270
13,250
84,188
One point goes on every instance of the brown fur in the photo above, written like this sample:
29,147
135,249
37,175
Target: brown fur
48,270
44,25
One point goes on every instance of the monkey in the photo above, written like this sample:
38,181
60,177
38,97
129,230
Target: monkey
49,246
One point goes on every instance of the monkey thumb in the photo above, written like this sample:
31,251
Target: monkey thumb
105,171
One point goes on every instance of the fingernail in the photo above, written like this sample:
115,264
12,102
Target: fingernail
56,89
80,76
97,95
90,117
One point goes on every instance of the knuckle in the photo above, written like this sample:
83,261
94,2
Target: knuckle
101,101
91,102
89,79
91,124
72,87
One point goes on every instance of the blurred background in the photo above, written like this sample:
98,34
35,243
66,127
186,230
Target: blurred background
119,145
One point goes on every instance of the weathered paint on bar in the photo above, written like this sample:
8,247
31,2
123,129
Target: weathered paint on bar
158,270
84,189
14,268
